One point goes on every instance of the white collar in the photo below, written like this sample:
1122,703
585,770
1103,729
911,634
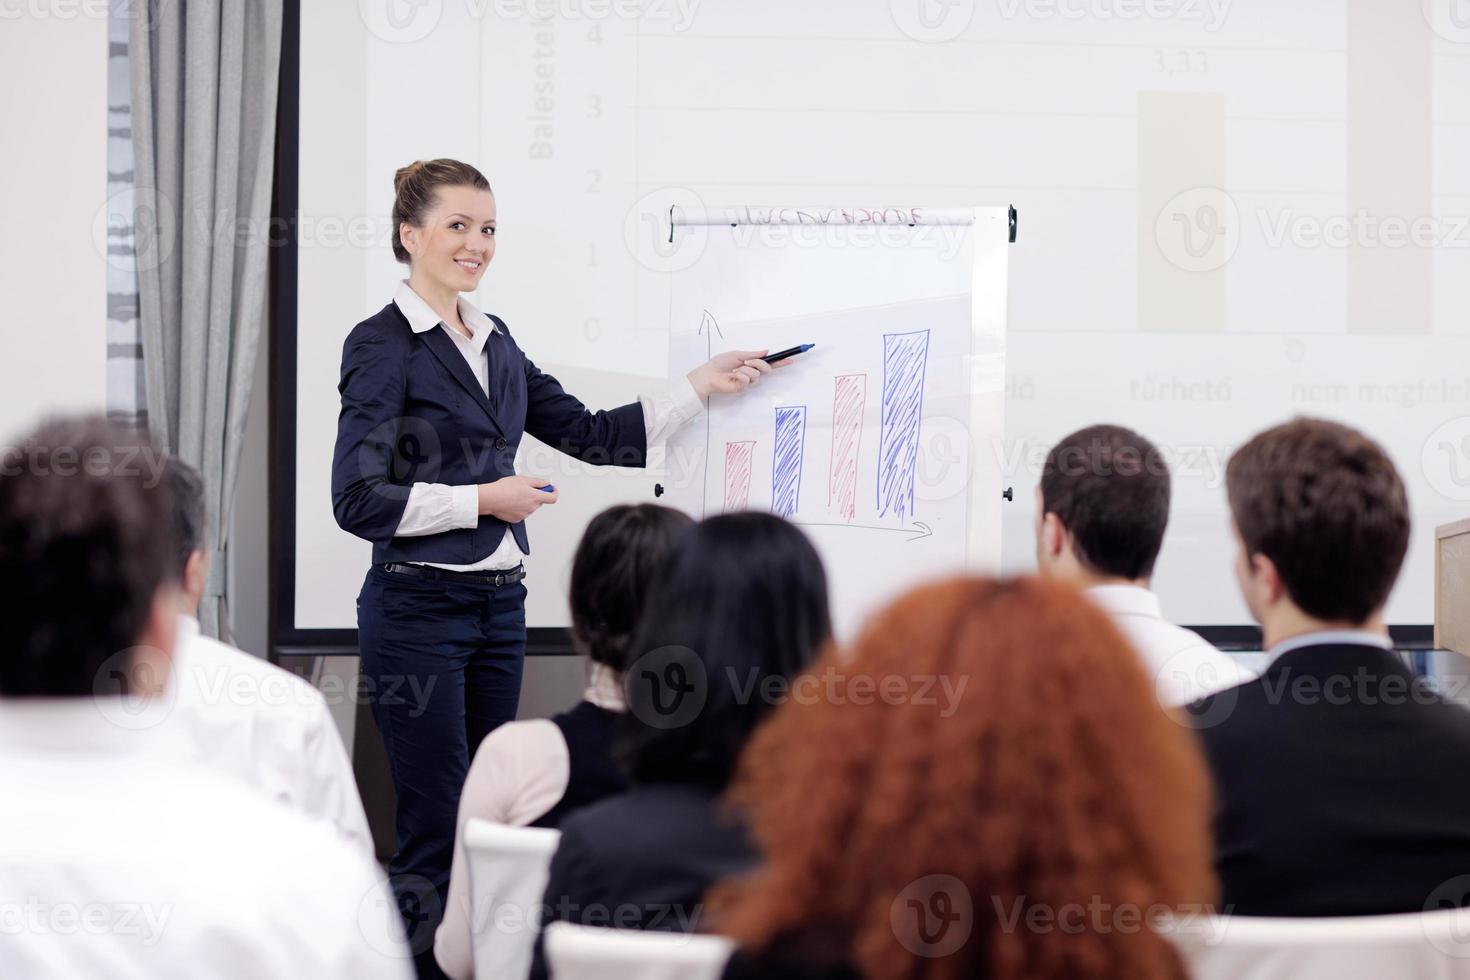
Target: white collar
1325,637
422,318
100,725
1126,600
605,689
188,632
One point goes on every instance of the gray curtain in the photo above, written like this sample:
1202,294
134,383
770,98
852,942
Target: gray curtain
204,77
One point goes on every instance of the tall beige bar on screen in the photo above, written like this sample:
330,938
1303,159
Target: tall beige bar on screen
1187,224
1390,172
1452,587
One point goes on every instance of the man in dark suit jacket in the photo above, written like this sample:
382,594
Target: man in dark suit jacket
1337,770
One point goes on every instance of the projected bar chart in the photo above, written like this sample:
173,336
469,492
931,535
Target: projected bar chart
1184,221
1390,165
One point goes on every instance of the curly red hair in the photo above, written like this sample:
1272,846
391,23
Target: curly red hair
1057,782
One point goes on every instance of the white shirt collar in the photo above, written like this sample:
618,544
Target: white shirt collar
1325,637
605,689
103,725
188,632
1126,600
422,318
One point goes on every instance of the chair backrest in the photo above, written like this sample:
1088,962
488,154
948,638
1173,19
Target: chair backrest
1422,945
508,871
577,952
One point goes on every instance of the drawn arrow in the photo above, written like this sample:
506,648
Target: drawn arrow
917,530
708,319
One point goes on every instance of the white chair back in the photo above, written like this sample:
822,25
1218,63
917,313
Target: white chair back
576,952
1420,945
508,871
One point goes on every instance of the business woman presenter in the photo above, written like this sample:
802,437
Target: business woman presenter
435,398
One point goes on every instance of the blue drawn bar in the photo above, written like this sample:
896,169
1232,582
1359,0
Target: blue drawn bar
905,358
786,459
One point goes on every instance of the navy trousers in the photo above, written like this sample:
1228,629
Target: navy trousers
441,663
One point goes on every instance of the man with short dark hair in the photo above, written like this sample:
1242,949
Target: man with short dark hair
84,552
1101,509
245,716
118,857
1336,770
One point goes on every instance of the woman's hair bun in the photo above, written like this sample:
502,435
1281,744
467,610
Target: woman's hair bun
407,173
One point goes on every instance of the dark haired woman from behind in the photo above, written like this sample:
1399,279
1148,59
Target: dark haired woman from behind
436,397
742,611
535,773
1025,828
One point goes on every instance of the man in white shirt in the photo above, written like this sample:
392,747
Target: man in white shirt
1102,506
242,715
118,857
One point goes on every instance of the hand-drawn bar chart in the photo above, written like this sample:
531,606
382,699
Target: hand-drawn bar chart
786,461
737,474
905,358
849,397
848,420
905,361
868,441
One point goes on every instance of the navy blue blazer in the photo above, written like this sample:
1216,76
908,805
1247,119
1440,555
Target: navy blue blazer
414,412
1336,787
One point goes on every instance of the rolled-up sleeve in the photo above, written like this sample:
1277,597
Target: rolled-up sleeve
437,507
665,411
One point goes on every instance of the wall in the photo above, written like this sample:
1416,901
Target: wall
53,65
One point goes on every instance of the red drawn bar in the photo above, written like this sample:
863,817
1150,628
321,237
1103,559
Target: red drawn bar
849,394
737,474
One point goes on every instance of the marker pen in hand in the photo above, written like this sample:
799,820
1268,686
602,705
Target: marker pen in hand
781,355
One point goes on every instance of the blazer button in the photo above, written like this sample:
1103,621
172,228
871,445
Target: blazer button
500,443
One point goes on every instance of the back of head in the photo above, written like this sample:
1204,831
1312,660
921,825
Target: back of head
1326,505
741,609
621,554
185,492
1109,486
84,548
1033,770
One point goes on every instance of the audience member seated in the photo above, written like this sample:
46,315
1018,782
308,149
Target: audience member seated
121,857
243,715
1101,507
740,611
1337,770
536,773
1015,805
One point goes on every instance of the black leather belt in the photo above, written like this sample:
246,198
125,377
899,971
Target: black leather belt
508,576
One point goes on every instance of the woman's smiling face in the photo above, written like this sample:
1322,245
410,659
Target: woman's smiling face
457,239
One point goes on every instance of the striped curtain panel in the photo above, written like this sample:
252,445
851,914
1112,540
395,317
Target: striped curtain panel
126,399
